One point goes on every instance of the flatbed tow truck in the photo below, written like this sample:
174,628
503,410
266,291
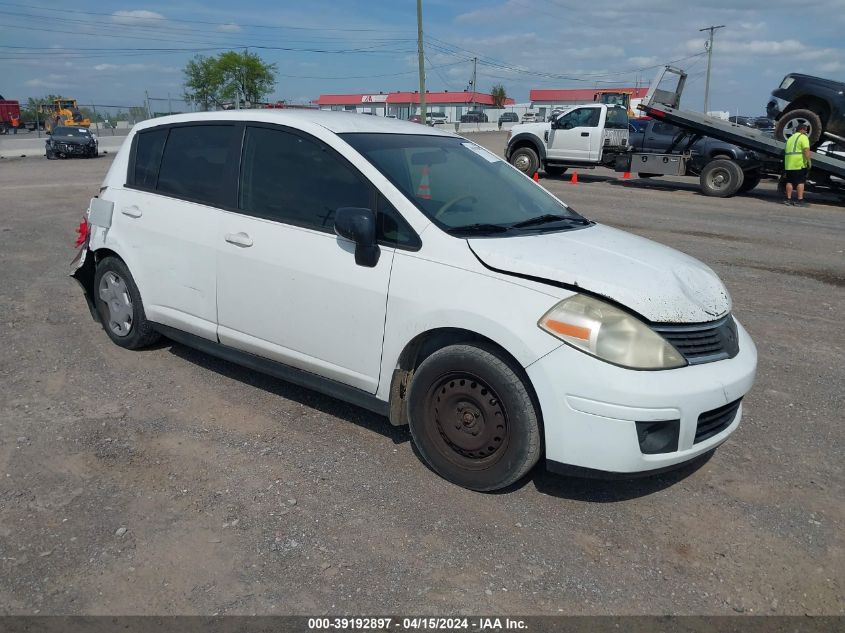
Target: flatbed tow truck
721,177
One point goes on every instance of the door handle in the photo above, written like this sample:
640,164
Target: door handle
132,212
239,239
585,133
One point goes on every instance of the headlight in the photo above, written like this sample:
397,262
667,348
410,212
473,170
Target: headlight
604,331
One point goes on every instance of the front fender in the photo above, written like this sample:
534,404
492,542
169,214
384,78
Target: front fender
521,139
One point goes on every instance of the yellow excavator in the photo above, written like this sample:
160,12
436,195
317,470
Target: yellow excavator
616,97
63,112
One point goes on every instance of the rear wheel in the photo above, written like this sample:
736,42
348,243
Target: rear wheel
525,160
788,124
721,178
473,419
119,305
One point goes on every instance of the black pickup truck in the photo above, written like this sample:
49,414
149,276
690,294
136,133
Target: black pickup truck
818,102
651,136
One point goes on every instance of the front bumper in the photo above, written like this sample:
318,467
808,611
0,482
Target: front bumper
590,407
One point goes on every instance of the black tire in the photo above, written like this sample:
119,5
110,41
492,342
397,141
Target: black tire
525,159
788,121
645,175
721,178
138,332
751,180
554,170
472,418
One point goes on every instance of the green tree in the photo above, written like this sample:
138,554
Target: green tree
213,81
499,95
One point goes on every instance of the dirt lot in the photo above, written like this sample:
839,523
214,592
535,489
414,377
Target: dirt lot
165,481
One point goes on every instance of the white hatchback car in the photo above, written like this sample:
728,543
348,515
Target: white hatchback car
410,271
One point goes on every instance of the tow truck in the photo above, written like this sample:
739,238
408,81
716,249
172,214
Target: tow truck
721,177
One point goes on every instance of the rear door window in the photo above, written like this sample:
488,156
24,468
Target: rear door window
193,166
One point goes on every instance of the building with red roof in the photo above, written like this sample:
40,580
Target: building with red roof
404,104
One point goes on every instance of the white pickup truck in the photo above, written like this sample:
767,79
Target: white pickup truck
584,136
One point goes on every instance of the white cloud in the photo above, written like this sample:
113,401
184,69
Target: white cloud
638,62
230,27
138,16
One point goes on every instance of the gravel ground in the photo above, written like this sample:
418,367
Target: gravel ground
165,481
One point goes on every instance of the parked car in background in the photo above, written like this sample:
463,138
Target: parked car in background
474,117
64,142
415,118
508,117
371,259
531,117
436,118
806,99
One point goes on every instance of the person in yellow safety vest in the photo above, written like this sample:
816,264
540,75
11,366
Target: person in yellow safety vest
796,164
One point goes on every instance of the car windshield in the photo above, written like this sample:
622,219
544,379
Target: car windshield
462,187
70,131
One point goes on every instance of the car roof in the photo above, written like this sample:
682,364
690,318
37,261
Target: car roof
337,122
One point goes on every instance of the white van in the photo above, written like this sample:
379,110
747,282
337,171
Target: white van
408,270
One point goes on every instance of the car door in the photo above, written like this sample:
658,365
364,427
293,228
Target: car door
178,178
575,135
659,137
288,288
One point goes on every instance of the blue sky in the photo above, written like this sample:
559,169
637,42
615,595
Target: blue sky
113,50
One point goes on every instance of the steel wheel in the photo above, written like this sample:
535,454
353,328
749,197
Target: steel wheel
522,163
719,179
791,126
469,420
115,296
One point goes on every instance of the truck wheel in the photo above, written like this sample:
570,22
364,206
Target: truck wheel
751,180
473,419
787,125
554,170
525,160
721,178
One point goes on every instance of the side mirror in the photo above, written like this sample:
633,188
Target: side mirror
359,226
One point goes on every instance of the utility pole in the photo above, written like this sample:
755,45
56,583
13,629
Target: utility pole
421,54
709,47
474,77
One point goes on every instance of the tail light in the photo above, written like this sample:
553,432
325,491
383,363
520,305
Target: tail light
82,231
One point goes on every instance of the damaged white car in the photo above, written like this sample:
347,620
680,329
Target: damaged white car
409,271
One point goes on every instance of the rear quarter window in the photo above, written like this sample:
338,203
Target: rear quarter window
148,152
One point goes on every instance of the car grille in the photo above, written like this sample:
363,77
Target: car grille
702,342
713,422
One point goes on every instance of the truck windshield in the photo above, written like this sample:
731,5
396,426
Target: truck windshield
461,186
617,118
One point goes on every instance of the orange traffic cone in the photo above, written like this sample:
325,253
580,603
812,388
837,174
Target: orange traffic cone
626,175
424,190
574,179
536,176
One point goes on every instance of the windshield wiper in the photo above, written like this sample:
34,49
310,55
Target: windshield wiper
548,218
477,228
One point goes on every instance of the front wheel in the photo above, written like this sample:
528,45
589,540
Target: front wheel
119,306
525,160
472,418
721,178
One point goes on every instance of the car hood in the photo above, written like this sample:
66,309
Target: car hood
533,128
659,283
